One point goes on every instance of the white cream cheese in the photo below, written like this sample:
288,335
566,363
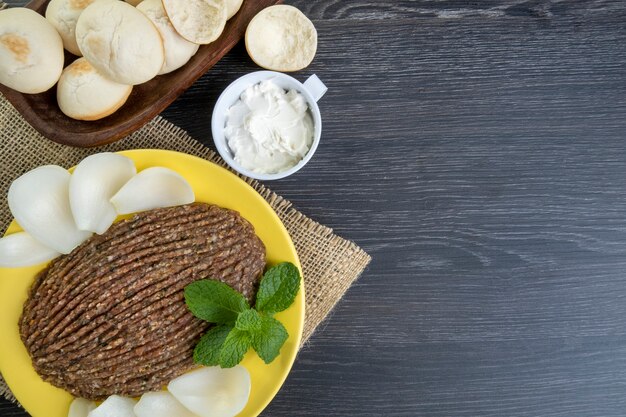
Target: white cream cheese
268,129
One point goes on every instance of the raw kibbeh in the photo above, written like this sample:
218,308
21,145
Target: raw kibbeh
110,317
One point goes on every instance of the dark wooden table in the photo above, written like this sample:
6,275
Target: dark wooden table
477,150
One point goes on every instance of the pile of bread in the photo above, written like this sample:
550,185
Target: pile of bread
126,43
121,46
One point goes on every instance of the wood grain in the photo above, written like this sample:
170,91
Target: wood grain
481,161
455,9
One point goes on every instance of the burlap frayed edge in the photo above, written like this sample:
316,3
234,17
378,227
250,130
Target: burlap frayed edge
330,264
6,392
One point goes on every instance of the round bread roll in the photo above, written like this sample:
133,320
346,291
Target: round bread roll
198,21
232,7
281,38
120,41
63,14
31,51
178,50
85,94
133,2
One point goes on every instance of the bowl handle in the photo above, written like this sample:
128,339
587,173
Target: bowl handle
316,87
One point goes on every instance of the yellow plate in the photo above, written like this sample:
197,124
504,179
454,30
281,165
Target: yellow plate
212,184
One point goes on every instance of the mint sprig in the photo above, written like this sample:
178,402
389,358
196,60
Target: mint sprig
239,327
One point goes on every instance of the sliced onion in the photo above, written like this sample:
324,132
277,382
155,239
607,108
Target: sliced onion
160,404
94,181
81,407
39,201
20,249
115,406
153,188
213,391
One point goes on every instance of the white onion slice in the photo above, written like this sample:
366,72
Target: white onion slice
39,201
20,249
153,188
213,391
160,404
81,407
114,406
94,181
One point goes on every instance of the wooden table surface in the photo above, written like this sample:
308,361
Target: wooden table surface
477,150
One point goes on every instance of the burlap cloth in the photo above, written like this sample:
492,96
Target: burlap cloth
330,264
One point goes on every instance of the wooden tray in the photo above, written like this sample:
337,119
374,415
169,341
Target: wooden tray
146,101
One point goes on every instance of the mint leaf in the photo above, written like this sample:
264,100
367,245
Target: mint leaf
269,339
249,320
234,348
278,288
214,301
207,351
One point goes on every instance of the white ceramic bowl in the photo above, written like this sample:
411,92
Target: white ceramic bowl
313,89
